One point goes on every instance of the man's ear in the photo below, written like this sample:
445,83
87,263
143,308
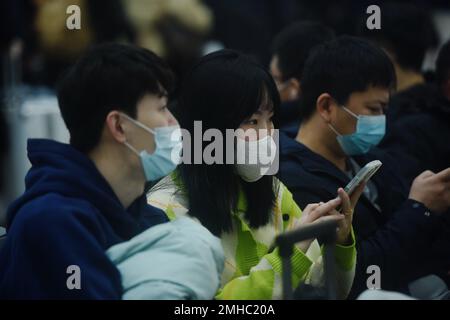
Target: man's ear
114,124
324,107
294,89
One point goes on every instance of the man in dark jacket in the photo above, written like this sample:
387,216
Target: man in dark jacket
83,198
420,129
291,48
346,85
408,32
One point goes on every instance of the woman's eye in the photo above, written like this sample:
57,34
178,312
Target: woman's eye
252,122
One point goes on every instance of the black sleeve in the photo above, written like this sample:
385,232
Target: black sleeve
396,246
393,247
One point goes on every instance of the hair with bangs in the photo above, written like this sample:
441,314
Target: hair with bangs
223,90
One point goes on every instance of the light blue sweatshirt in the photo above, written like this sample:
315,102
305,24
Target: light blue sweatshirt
175,260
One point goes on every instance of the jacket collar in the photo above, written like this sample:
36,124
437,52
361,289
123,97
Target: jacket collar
309,160
318,165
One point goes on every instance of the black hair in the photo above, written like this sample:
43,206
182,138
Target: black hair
108,77
443,64
224,89
407,31
293,45
341,67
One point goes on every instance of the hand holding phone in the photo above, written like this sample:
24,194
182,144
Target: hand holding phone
363,176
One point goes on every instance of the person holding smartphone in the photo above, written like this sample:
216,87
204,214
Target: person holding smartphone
240,202
346,87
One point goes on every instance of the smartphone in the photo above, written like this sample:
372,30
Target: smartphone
363,176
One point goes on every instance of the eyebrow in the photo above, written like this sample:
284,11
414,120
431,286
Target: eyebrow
382,102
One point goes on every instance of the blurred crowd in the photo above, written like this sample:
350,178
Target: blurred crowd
179,31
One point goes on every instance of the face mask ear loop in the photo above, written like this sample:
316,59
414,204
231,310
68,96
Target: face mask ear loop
334,130
131,148
140,125
351,112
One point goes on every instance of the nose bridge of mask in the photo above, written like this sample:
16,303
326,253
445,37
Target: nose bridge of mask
246,151
372,124
167,136
369,132
254,151
368,124
261,156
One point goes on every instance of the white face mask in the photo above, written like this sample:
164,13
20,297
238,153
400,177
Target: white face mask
260,156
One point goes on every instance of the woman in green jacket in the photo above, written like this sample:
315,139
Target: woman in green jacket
240,201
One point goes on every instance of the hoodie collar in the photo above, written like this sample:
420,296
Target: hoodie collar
60,168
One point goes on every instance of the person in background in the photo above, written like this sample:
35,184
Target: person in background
175,30
346,85
420,138
443,70
291,48
407,33
50,47
86,198
240,202
249,26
